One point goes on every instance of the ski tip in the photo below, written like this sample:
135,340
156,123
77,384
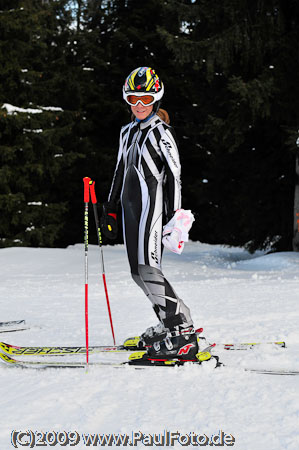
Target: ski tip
199,330
7,359
8,346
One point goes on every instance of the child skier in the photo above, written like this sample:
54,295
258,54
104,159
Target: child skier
147,181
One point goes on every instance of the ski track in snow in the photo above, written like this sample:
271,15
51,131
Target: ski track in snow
234,296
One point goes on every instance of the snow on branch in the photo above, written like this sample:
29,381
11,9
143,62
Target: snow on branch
11,109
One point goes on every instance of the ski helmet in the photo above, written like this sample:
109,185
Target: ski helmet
143,82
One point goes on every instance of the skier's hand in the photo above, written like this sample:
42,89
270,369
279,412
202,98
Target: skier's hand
108,220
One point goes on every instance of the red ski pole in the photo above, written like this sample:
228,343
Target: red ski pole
96,218
86,181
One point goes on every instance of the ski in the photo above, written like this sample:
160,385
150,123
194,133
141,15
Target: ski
274,371
13,325
60,351
11,362
251,345
132,343
12,322
137,359
71,350
13,329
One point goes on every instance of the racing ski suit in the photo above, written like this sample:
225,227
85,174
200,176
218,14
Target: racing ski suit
147,181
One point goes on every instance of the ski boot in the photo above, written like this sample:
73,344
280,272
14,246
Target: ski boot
152,335
177,348
180,344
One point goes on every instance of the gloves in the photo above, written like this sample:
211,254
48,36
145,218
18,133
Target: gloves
176,231
108,220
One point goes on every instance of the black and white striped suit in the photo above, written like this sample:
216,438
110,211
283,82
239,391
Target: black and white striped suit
147,180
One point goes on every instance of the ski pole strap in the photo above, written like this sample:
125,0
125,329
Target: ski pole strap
93,192
86,181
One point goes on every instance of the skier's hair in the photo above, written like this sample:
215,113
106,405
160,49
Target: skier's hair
163,114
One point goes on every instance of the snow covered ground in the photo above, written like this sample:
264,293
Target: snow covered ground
234,296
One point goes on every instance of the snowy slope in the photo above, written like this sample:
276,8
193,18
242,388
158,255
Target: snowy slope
234,296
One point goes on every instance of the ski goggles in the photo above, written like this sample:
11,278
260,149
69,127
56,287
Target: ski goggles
146,100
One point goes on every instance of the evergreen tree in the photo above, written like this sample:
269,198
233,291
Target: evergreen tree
247,53
35,139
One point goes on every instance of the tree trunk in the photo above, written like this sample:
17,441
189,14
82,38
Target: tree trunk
296,210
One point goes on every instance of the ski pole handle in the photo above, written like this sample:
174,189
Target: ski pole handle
96,217
86,181
93,193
